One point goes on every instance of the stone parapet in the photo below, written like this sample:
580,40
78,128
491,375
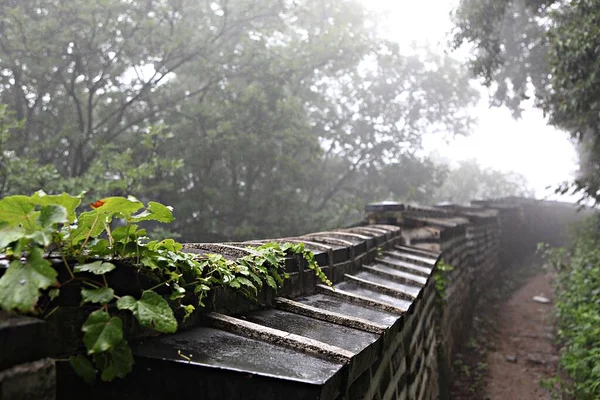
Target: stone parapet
383,331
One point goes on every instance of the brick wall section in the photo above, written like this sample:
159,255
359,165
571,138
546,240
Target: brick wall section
382,331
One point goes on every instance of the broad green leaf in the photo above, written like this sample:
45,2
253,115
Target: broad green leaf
99,248
120,205
90,221
15,210
149,262
115,363
9,234
271,282
102,332
167,244
247,282
84,368
96,267
152,311
122,233
20,285
52,214
155,212
41,237
102,295
70,203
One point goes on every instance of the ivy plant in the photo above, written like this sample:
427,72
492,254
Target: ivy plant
442,268
42,233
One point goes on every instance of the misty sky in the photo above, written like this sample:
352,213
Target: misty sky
542,154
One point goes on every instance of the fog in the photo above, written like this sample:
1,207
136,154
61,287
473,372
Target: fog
544,155
259,118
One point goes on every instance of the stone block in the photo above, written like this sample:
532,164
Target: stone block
29,381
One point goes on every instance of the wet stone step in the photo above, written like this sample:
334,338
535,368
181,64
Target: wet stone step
405,265
338,305
396,274
418,251
215,359
328,316
409,290
427,261
373,294
350,339
364,345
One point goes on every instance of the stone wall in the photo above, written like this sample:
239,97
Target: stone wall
382,332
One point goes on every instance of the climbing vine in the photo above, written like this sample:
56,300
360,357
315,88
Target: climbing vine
41,235
441,279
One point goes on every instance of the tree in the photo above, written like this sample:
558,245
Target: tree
303,146
252,118
83,76
545,48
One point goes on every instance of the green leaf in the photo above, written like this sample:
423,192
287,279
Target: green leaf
53,293
102,295
188,310
96,267
43,238
101,332
20,285
9,234
247,282
271,282
177,293
120,205
70,203
15,209
99,248
167,244
155,212
115,363
52,214
149,262
123,233
152,311
84,368
88,223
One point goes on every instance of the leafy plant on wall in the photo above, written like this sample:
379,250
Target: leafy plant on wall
42,235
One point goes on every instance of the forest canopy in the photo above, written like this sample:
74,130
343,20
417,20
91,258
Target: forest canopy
252,118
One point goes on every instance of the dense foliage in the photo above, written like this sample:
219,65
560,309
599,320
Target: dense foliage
546,49
43,235
578,310
252,118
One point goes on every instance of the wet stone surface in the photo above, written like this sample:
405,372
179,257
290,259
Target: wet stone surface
411,279
335,304
19,339
405,265
409,256
222,350
373,294
350,339
412,291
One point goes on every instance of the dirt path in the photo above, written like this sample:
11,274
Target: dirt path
525,352
511,346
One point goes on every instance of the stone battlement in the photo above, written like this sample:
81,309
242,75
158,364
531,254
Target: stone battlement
382,332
